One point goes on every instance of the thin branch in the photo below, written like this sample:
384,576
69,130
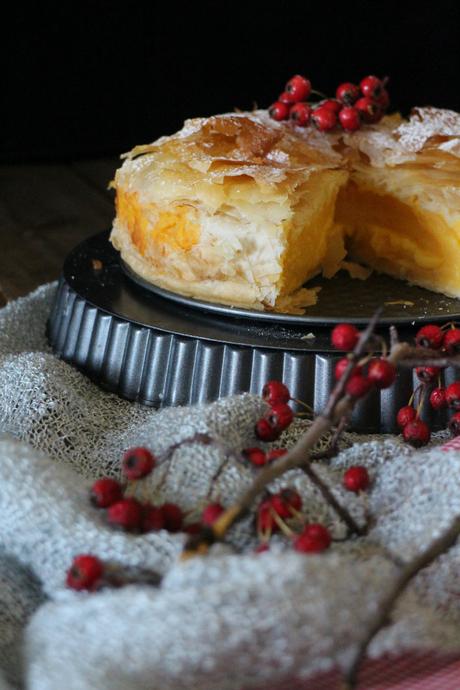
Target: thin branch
205,440
360,349
441,362
394,337
435,549
338,406
329,497
334,447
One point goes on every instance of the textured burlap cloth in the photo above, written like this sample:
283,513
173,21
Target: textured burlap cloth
233,619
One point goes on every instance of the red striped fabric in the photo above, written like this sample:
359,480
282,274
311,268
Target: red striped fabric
453,444
408,672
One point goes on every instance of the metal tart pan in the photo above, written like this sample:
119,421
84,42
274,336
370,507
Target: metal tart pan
145,346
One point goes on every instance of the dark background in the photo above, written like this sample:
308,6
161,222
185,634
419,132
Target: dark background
90,79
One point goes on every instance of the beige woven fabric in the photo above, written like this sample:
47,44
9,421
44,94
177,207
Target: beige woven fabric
232,619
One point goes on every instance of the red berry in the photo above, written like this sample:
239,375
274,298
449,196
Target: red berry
454,424
152,518
275,392
347,93
280,416
341,365
300,113
193,528
350,119
274,454
173,517
358,386
256,456
279,111
356,478
264,546
137,463
417,433
284,501
371,86
368,110
438,398
265,521
280,507
383,101
451,341
105,492
427,374
405,415
453,395
85,572
265,431
126,514
299,87
324,119
286,97
332,104
381,372
211,513
314,539
429,336
344,336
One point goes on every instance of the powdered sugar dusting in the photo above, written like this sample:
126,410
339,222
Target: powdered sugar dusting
427,123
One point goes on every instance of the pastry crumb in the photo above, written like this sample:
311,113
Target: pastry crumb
402,302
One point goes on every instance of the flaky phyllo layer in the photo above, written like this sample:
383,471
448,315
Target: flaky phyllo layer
243,210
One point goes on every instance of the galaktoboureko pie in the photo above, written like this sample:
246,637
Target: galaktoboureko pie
243,210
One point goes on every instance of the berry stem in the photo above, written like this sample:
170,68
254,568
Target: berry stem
421,400
287,531
319,93
407,573
414,392
304,404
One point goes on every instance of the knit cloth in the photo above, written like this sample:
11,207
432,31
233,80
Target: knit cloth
233,619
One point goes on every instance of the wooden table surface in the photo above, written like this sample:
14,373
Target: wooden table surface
45,210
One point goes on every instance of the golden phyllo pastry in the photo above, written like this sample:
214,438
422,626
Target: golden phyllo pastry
401,208
244,210
234,209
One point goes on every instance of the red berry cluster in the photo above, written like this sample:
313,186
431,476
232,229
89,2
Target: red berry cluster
258,457
275,513
352,106
377,373
415,431
127,512
281,512
278,417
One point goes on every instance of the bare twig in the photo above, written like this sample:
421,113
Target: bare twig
205,440
341,426
329,497
421,361
360,349
394,337
338,406
435,549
